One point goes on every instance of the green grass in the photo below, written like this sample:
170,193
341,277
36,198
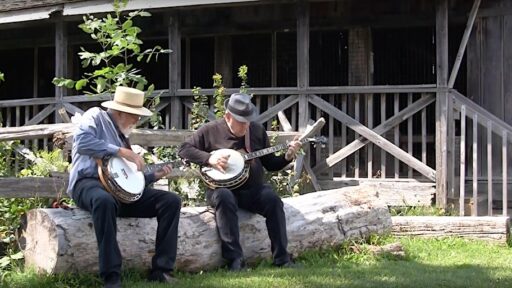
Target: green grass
448,262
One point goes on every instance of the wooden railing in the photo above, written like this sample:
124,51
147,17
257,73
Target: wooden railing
483,150
398,122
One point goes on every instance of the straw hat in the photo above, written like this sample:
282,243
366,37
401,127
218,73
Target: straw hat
128,100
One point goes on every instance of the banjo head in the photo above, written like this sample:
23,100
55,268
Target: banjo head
236,164
126,175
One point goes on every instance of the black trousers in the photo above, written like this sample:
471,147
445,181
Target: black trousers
90,195
263,201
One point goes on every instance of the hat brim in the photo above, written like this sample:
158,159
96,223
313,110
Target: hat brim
239,118
141,111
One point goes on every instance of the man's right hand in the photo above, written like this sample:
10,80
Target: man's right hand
131,156
219,162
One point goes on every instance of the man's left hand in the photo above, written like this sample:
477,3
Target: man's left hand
164,171
293,148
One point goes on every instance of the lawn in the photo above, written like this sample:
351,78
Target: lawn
448,262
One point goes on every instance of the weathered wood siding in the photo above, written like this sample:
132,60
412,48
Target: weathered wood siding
489,66
9,5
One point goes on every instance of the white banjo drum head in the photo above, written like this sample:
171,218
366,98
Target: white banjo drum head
236,164
126,175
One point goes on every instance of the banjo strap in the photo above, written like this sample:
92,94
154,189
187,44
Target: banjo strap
248,140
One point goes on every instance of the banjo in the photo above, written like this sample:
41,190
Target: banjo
121,178
237,171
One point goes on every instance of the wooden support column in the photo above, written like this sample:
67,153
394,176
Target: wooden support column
223,59
175,72
442,181
303,60
61,56
360,60
360,74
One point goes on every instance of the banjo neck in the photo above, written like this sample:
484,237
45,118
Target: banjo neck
269,150
158,166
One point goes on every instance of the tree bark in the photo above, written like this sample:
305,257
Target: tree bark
58,240
484,228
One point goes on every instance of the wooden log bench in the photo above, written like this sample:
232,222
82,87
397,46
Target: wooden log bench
58,240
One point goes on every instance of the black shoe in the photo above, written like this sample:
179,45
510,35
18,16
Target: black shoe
236,265
162,277
289,264
112,280
115,284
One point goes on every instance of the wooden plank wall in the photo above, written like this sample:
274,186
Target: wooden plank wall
489,62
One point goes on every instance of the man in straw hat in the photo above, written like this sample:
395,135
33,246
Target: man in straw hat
238,131
104,134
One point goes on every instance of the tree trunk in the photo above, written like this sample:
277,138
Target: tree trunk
58,240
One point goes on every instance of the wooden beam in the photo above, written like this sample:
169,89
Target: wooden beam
272,111
374,137
303,60
442,102
175,71
42,115
463,43
61,57
73,109
482,228
424,88
381,129
28,187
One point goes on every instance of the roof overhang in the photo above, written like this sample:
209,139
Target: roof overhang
100,6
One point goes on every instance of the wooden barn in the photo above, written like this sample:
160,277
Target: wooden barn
412,91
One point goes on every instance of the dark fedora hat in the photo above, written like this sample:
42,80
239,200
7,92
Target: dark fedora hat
240,106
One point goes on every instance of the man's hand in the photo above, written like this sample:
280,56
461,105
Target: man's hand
162,172
132,157
219,162
293,148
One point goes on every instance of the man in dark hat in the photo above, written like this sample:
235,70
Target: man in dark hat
102,134
236,130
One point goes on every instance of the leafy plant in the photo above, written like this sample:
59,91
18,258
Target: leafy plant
120,44
2,77
218,95
7,153
199,111
50,161
13,209
242,74
191,189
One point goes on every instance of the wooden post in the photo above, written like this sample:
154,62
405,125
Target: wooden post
442,103
303,60
360,74
463,43
61,56
175,71
223,59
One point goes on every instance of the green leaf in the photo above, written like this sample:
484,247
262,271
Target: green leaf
69,83
5,261
80,84
100,84
17,256
140,86
127,24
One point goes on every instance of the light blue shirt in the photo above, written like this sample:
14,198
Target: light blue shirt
95,138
